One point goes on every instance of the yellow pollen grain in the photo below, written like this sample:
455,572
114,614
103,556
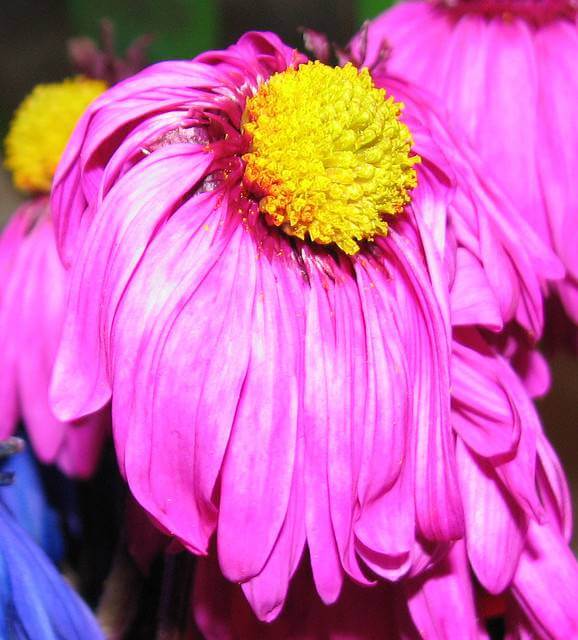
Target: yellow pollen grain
41,127
328,157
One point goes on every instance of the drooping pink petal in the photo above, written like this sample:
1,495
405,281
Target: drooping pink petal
553,488
484,414
267,591
438,509
546,583
117,239
320,368
259,464
495,525
473,301
161,433
441,601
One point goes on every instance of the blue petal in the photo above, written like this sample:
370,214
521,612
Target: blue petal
35,601
26,499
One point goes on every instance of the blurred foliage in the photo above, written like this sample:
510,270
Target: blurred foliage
367,9
181,28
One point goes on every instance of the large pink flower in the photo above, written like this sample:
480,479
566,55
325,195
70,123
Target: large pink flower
281,393
506,70
32,305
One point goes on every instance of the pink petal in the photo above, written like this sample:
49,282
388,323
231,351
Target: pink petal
267,591
259,463
546,583
11,242
484,414
495,526
438,506
174,362
117,239
553,488
441,602
472,298
320,367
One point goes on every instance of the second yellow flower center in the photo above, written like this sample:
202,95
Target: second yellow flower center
41,127
329,156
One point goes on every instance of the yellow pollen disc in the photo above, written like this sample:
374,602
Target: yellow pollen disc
41,127
329,155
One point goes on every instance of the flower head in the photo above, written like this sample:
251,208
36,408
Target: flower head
41,128
32,300
32,305
276,339
328,155
505,69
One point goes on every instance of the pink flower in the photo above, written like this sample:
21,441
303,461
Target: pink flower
506,71
276,386
32,305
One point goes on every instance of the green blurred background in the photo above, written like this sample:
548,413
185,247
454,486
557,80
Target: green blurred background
33,33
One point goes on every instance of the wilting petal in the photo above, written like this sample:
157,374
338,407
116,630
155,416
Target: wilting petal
11,242
441,602
484,414
171,471
259,464
320,368
118,238
495,525
553,487
438,508
473,301
546,583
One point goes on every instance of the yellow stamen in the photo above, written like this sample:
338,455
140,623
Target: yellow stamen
328,154
41,127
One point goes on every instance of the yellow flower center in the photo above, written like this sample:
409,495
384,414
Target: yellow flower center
329,155
41,127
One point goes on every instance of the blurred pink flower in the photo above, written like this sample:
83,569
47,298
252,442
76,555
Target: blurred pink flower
282,394
32,305
506,69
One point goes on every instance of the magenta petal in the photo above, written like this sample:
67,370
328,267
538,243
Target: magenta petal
13,280
124,227
386,520
438,506
260,461
386,529
267,591
82,445
317,414
495,526
173,363
553,488
546,583
472,298
42,300
441,601
484,414
557,131
351,421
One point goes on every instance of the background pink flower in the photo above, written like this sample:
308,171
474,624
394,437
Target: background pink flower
506,71
32,305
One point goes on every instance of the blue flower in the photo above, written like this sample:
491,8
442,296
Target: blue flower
35,601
